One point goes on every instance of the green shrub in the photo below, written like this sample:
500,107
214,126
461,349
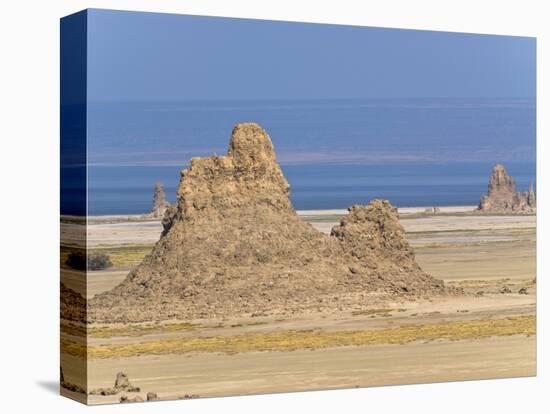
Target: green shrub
96,261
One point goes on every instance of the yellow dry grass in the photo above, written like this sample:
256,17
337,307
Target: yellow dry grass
132,330
123,257
291,340
73,329
376,312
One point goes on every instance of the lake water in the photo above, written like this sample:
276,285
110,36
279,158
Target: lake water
129,189
334,153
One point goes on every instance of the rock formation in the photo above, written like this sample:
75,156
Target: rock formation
233,245
122,383
502,196
531,200
160,205
72,304
126,399
374,237
152,396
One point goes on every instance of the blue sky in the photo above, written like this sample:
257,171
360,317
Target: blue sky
146,72
157,57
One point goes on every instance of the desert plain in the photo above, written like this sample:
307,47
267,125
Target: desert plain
489,332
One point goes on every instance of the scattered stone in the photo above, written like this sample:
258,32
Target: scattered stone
126,399
122,383
152,396
188,396
502,196
523,291
233,234
105,391
504,290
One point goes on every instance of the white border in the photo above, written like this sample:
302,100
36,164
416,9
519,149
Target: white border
29,139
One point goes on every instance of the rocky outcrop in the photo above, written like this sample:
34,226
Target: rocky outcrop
152,396
122,384
502,196
531,200
233,245
373,235
169,218
160,205
72,304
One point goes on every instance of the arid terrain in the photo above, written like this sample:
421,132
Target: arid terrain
487,333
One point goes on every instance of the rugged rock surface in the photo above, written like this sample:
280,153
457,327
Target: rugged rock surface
502,196
72,305
169,218
374,237
234,245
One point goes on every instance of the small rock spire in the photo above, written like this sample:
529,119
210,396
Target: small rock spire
159,201
531,200
500,181
502,196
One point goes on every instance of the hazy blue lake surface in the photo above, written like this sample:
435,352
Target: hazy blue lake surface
129,190
334,153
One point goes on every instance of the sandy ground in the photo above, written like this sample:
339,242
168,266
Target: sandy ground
209,375
514,260
478,252
96,282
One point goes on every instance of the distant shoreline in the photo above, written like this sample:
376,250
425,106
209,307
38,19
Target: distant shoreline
401,210
309,214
